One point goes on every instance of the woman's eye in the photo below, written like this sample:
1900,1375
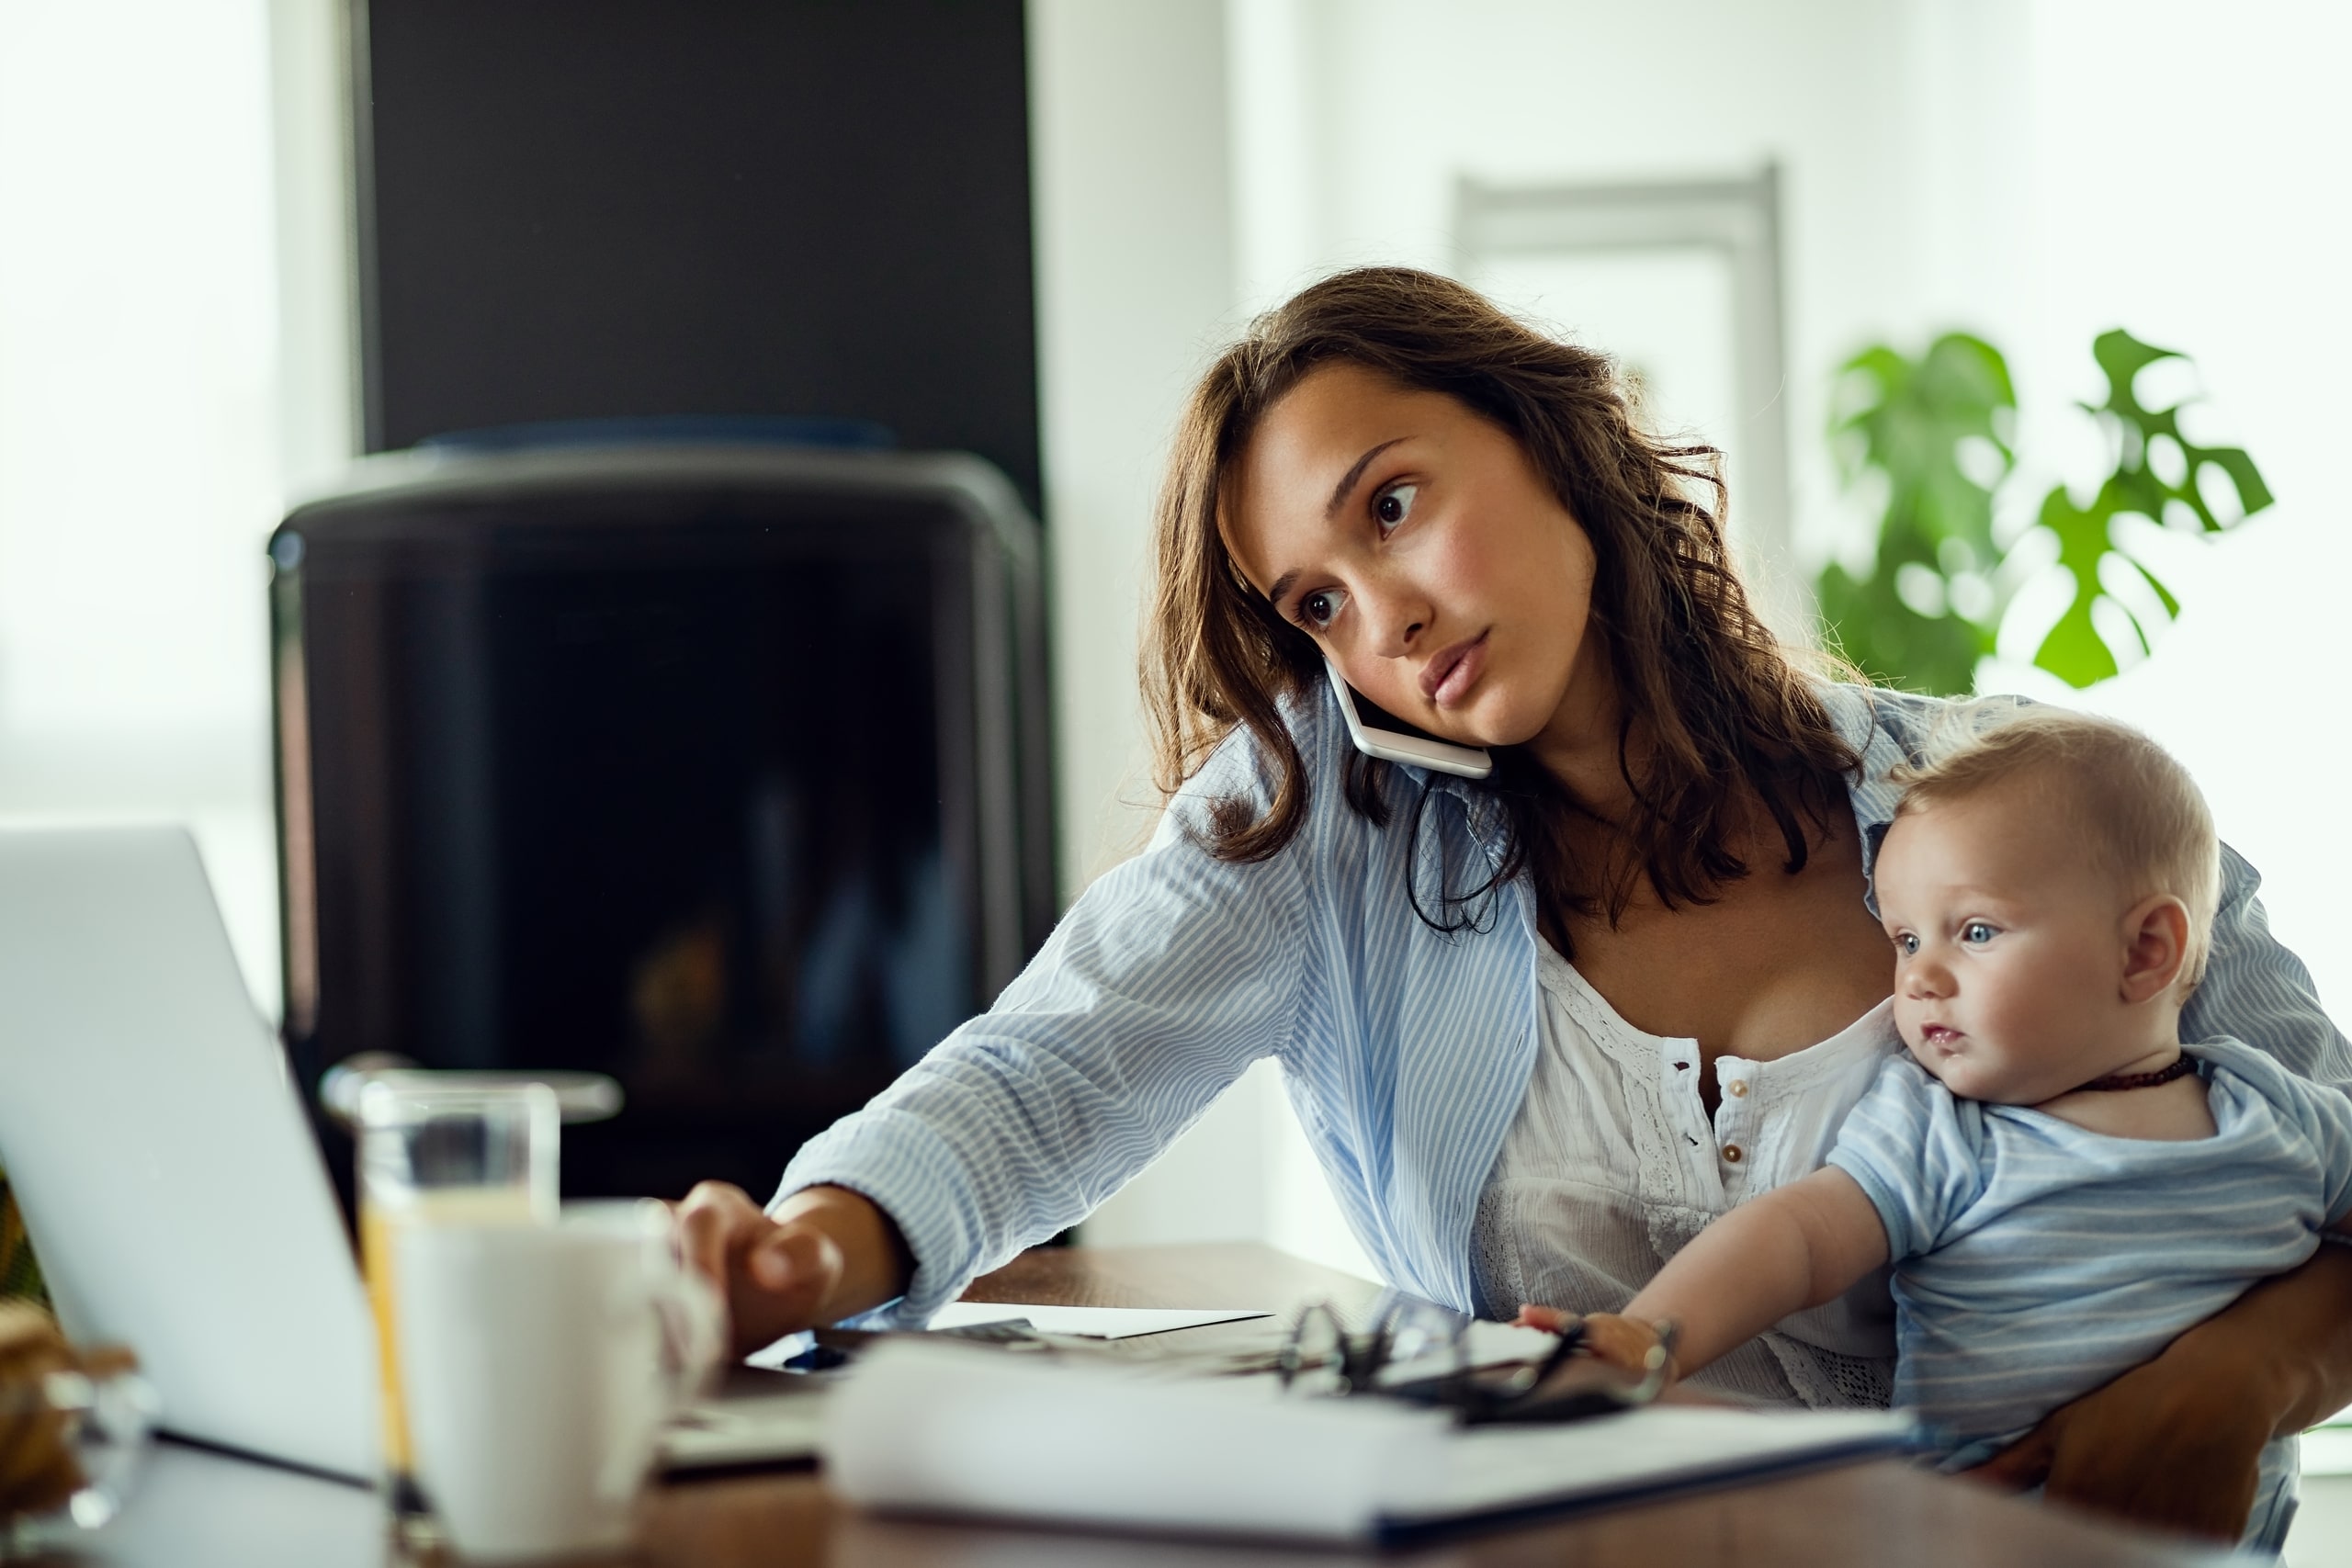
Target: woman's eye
1976,933
1317,608
1393,505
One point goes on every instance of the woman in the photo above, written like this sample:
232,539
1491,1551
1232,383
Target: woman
1539,1029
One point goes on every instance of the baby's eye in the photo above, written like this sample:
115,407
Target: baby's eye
1976,933
1907,944
1316,609
1393,505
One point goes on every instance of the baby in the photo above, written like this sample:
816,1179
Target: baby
2061,1187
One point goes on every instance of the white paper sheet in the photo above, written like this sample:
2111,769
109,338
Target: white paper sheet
936,1426
1089,1323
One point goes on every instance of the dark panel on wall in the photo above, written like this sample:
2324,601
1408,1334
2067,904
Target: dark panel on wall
584,209
717,772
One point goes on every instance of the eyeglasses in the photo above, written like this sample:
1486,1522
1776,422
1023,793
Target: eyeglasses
1323,1355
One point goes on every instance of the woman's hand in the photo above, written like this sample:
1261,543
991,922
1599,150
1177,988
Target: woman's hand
2176,1443
2163,1446
826,1254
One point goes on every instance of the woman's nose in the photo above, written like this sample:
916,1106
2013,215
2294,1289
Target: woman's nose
1397,619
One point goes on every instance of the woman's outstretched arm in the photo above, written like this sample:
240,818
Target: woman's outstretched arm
1168,977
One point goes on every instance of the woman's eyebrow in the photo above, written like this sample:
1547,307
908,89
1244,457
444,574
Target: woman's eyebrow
1348,481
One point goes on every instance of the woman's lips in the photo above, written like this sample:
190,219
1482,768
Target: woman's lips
1452,672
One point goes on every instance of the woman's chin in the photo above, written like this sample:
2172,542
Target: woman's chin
1490,723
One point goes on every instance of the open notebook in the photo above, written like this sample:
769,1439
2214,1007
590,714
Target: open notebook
939,1429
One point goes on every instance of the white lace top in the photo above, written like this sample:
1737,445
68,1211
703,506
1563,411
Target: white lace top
1612,1163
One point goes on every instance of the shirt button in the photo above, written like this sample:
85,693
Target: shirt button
1739,1088
1732,1153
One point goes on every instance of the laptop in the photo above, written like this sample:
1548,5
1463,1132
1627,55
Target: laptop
174,1193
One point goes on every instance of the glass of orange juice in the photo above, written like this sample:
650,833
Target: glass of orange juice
429,1153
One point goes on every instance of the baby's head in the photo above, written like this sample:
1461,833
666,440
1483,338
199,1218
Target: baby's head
2049,883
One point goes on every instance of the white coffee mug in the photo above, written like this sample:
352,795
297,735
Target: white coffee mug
539,1365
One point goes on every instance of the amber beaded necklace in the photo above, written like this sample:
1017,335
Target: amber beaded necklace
2181,1068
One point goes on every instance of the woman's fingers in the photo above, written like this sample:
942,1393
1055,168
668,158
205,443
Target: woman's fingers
2161,1446
2025,1463
714,1221
1550,1319
783,1278
776,1279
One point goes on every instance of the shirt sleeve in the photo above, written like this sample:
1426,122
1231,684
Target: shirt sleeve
1913,1149
2255,990
2324,1115
1169,976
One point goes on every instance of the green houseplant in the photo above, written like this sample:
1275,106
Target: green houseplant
1937,432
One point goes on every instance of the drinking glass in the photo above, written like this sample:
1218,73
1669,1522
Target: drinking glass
436,1155
72,1431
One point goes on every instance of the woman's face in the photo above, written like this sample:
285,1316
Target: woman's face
1417,546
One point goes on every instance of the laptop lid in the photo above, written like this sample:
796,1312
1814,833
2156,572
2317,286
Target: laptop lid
171,1185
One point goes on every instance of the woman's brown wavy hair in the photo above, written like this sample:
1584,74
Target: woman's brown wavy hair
1709,699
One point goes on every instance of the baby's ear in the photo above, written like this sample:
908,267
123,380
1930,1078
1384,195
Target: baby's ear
2156,944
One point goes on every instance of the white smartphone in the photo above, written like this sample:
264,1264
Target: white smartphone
1383,735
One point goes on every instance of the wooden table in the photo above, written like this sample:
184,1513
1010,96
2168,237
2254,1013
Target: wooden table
198,1510
1878,1513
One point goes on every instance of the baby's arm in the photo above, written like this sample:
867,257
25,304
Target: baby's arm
1794,1248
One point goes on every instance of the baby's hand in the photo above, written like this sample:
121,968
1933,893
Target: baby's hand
1621,1342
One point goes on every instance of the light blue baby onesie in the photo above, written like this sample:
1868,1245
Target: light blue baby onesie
2035,1261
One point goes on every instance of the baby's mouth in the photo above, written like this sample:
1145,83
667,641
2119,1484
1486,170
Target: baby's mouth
1942,1036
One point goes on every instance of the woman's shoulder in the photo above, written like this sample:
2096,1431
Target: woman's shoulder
1907,720
1889,729
1242,773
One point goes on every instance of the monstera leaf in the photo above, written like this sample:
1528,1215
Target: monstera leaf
2074,651
1919,422
1937,430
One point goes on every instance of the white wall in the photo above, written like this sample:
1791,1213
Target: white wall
139,429
1135,244
1378,108
2186,182
1134,289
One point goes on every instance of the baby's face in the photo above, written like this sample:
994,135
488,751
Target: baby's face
2009,949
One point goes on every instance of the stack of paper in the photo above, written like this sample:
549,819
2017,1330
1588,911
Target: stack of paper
939,1429
1087,1322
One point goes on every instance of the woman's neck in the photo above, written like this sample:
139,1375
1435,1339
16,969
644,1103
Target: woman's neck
1579,745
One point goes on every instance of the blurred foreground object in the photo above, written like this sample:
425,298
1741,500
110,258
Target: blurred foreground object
580,1096
1939,431
19,1269
73,1425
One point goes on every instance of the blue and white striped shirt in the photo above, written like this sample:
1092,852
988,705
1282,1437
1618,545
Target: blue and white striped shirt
2035,1260
1405,1051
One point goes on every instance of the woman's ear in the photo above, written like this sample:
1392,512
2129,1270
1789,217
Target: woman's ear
2156,944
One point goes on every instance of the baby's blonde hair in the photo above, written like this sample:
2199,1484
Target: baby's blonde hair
2143,822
